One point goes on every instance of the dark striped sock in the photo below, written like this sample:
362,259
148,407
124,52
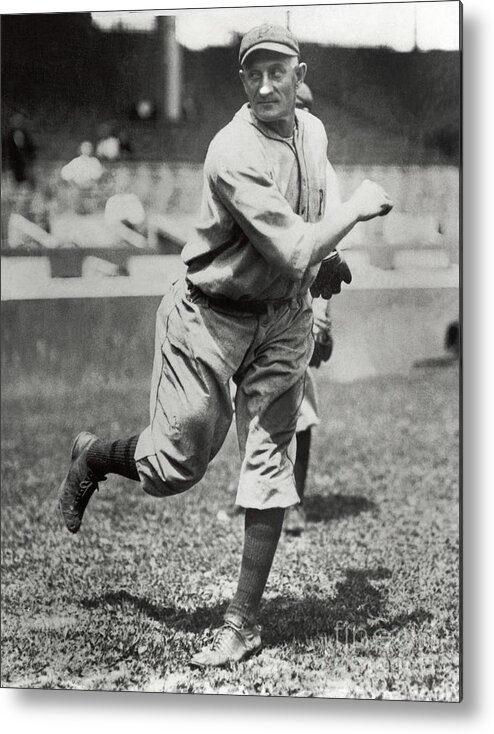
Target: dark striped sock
262,532
302,461
114,458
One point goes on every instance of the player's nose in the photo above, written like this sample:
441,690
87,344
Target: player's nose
266,86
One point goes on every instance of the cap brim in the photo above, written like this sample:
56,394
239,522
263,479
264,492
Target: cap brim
279,48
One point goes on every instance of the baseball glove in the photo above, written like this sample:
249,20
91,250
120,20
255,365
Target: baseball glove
323,339
333,272
322,351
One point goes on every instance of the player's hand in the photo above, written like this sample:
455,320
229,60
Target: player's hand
333,272
371,200
323,347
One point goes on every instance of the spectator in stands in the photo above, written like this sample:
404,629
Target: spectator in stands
108,145
126,149
84,170
144,109
42,206
83,174
190,108
125,207
19,151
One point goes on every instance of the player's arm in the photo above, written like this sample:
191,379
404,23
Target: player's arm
334,269
250,195
369,200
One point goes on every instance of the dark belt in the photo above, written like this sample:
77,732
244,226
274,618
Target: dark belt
229,304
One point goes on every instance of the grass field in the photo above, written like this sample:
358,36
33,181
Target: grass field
365,604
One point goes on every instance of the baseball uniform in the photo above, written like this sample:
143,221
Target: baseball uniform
252,248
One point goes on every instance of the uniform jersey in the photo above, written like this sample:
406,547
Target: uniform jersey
253,242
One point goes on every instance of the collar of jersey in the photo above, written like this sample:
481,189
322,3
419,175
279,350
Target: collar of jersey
245,113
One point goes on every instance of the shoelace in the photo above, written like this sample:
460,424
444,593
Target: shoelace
222,643
87,484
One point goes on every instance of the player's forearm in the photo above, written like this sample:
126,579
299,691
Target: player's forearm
369,200
329,232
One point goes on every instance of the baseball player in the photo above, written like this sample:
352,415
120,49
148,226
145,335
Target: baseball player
243,312
295,519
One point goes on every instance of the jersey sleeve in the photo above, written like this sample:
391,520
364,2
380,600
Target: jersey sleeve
333,196
253,200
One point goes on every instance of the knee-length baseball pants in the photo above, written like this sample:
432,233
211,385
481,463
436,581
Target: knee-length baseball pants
198,350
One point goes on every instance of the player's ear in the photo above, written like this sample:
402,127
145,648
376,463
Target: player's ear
301,72
243,79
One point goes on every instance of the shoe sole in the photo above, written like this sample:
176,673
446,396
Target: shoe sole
89,438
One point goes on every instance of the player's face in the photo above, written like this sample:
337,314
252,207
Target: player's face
270,81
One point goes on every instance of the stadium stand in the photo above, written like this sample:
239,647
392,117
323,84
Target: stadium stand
379,106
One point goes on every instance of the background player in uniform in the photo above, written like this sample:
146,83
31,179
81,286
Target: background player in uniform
295,519
243,312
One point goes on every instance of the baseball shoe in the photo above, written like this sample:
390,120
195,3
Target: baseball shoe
295,520
79,485
233,644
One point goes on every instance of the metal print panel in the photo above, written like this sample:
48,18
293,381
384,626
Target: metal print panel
231,351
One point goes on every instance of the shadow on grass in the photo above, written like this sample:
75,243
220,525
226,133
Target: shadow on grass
320,508
186,620
356,611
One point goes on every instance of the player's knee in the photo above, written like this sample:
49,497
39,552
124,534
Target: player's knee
168,485
158,487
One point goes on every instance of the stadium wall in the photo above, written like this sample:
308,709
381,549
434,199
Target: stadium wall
376,332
